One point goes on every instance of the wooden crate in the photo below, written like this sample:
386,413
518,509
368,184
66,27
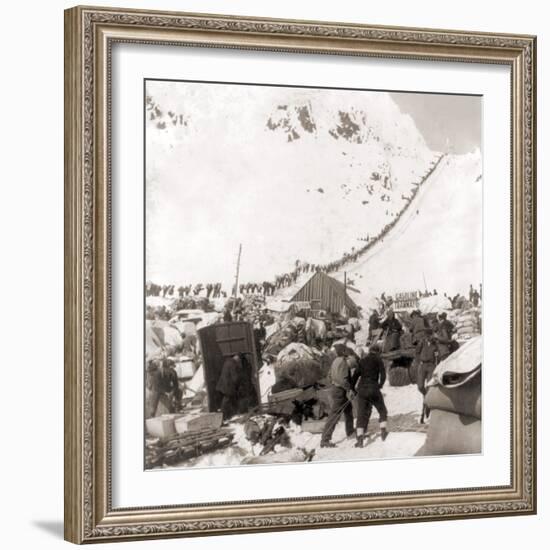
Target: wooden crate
161,426
198,423
285,395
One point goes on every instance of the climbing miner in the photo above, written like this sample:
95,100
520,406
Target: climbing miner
367,381
341,396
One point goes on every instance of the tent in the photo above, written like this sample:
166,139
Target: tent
326,293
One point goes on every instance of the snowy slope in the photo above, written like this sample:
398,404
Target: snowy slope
289,173
438,238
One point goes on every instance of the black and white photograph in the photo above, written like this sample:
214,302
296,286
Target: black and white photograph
313,278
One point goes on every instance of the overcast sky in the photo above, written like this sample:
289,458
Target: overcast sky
444,120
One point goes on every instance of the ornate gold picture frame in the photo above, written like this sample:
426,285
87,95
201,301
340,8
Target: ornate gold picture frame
90,34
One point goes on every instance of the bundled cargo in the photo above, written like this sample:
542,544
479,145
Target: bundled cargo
280,339
162,426
198,422
399,376
301,365
161,336
283,402
468,323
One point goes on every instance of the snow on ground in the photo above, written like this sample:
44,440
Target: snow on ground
266,376
405,438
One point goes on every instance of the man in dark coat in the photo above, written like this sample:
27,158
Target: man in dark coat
162,381
374,324
235,385
393,329
418,326
259,339
227,317
341,395
371,375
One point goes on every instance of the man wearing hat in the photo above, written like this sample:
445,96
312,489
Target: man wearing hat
427,355
341,395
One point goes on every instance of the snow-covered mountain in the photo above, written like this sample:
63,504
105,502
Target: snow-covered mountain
437,241
290,173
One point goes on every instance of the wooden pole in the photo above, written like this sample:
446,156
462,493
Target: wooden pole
237,276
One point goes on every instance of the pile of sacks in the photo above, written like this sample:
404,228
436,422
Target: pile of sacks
467,322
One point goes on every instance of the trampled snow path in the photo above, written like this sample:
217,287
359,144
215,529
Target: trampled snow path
438,239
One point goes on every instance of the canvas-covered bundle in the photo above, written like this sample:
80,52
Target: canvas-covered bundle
168,334
153,344
433,304
161,338
280,339
454,398
300,365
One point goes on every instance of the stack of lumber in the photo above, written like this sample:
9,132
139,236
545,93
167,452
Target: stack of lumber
179,447
283,402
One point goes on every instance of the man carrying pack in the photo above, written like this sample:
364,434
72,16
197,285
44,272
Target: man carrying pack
341,395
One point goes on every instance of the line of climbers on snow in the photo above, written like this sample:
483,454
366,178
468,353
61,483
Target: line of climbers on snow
268,288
